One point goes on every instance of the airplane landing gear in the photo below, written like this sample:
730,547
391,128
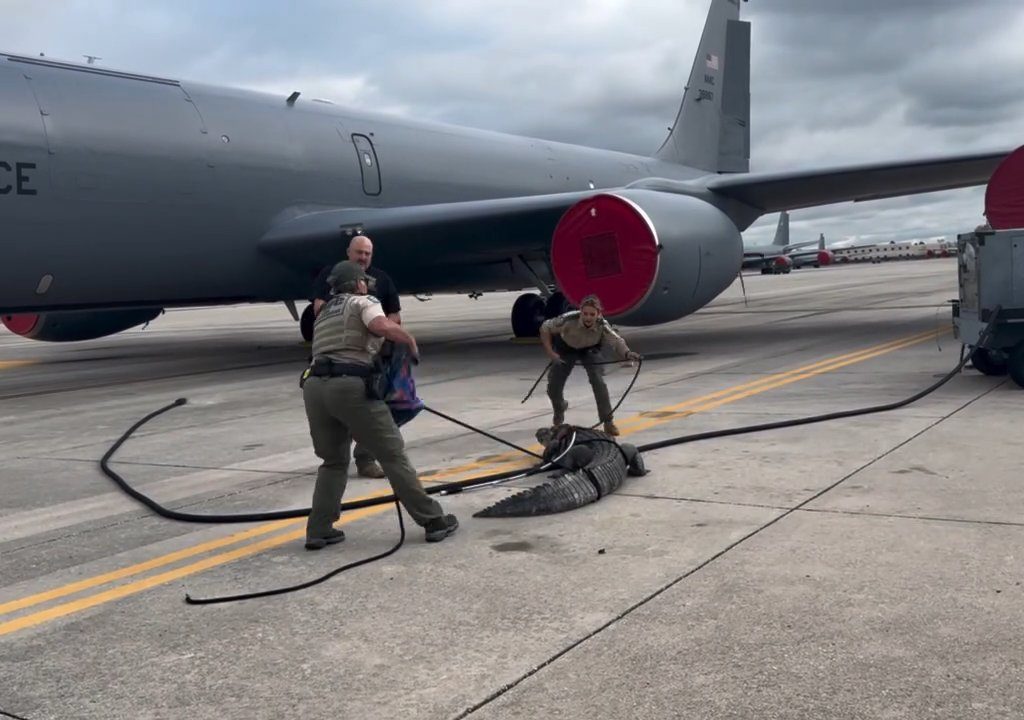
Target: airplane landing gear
556,305
306,323
527,315
531,310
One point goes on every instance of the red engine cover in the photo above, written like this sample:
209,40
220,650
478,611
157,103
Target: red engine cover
1004,195
605,245
824,257
20,324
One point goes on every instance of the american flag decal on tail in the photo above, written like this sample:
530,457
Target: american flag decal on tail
712,61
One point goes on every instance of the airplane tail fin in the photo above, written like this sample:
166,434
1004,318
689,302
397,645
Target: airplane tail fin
821,241
712,129
782,230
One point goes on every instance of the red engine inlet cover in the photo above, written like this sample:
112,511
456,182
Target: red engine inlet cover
605,246
1004,195
824,257
20,324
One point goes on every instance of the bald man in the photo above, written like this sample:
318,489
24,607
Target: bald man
360,251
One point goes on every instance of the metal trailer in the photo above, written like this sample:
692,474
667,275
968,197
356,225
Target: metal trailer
990,269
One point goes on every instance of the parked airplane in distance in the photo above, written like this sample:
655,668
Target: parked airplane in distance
122,194
782,256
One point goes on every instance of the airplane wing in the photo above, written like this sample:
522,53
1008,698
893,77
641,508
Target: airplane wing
481,232
773,192
470,231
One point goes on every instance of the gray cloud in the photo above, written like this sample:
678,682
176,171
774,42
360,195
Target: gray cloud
833,81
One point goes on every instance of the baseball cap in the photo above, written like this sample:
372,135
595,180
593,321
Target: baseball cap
345,272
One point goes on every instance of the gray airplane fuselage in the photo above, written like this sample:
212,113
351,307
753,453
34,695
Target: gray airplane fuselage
126,190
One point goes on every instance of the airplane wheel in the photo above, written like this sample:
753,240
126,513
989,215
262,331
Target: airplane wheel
556,305
306,323
527,315
987,363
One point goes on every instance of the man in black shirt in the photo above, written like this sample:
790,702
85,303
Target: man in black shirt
360,251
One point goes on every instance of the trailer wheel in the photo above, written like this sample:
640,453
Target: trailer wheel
1016,364
988,363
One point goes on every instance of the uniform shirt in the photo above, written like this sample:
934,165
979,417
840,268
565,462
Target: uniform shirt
385,289
341,329
577,336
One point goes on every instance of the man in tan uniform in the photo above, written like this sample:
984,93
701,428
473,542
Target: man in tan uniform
341,404
581,335
360,251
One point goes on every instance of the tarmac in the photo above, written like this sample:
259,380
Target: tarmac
869,567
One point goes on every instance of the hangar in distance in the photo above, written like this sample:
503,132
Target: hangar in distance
122,194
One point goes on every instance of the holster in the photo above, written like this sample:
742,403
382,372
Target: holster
377,380
323,366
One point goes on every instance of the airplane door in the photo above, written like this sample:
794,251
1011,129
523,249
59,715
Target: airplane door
367,163
23,150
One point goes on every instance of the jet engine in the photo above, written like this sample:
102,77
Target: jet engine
71,325
651,257
825,257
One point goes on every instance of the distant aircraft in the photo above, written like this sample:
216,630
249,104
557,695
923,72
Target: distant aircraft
782,256
122,194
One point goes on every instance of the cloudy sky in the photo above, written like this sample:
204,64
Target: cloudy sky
833,81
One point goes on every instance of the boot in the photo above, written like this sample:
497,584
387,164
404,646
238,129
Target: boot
372,470
440,528
333,536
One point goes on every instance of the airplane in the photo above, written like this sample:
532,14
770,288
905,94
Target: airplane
122,194
782,256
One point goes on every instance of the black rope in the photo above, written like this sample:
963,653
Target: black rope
796,422
302,586
622,399
219,518
486,434
11,715
539,378
639,364
492,479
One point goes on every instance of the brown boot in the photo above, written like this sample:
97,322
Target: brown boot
373,470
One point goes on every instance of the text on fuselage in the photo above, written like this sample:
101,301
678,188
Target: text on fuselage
15,177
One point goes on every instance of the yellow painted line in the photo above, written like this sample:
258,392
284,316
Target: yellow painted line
138,586
72,588
801,372
11,364
777,383
706,402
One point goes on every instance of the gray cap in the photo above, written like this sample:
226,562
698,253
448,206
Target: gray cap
346,272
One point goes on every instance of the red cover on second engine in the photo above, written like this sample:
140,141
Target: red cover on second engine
1004,196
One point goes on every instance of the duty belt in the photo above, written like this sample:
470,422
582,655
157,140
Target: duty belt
564,348
325,367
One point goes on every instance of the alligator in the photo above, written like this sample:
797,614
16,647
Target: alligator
591,464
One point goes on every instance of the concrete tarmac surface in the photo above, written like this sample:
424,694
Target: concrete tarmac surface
869,567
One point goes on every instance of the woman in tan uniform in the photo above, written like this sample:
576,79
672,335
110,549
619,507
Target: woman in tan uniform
582,335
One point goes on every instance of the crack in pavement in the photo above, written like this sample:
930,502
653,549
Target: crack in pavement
700,566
